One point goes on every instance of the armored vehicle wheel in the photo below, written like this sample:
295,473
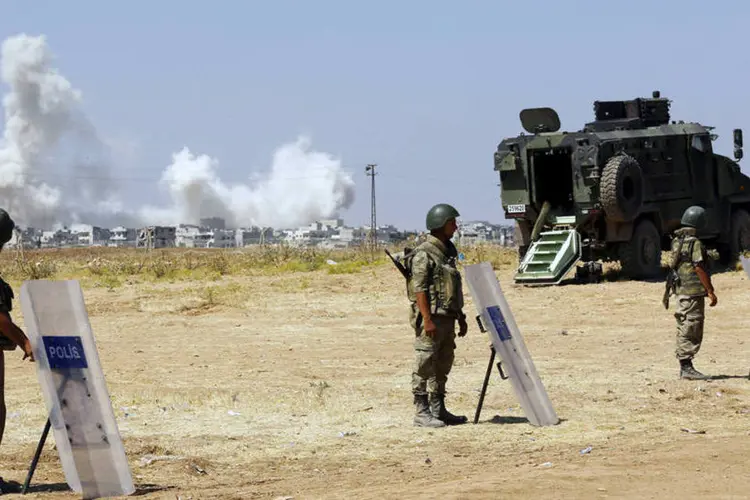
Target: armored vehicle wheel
740,233
621,188
641,256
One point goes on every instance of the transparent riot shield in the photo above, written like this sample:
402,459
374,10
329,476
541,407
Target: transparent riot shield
506,339
80,412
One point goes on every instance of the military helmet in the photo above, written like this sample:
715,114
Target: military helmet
694,216
439,215
6,227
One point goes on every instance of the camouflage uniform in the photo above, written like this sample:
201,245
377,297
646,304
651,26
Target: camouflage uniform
691,295
437,276
434,272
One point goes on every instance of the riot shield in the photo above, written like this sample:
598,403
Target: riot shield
80,412
506,339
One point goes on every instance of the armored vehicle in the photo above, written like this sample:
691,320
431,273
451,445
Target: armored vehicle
616,189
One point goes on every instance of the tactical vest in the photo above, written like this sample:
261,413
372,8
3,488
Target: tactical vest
689,283
445,291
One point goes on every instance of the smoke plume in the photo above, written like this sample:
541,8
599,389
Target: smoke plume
53,165
302,186
55,169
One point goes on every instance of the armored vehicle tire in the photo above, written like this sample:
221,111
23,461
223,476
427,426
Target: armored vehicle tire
621,188
641,256
739,233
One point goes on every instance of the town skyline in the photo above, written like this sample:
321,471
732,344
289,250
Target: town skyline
204,222
212,232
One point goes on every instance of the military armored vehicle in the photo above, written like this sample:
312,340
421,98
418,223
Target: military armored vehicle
616,189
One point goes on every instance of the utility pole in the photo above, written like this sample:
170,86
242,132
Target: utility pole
370,171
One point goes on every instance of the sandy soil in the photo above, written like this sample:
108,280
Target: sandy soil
299,386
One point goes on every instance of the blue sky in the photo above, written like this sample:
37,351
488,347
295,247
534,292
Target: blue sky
424,89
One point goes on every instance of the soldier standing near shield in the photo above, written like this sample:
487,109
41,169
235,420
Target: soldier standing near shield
10,335
690,261
436,296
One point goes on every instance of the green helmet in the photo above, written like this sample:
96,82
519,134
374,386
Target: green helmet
694,216
439,215
6,227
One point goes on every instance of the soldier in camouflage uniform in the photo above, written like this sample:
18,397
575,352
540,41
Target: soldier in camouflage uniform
690,260
10,335
436,296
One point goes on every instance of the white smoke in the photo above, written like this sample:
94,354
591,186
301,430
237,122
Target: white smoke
52,163
302,186
56,170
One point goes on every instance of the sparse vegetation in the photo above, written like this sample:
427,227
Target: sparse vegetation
111,267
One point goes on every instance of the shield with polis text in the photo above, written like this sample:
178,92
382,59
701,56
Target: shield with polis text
75,392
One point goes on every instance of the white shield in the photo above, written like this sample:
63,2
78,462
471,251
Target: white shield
88,440
505,336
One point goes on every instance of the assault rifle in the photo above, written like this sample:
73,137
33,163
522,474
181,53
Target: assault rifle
404,272
670,287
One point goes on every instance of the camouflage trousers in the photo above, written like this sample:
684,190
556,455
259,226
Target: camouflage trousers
689,315
434,356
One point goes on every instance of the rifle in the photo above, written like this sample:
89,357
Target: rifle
673,279
670,287
404,272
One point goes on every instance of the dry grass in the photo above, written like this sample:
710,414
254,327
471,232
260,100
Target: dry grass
258,374
113,267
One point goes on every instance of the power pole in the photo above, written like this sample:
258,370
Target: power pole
370,171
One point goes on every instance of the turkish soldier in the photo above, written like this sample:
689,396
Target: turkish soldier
10,335
436,296
690,260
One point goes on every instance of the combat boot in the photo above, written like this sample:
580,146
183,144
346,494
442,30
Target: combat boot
687,371
423,417
437,408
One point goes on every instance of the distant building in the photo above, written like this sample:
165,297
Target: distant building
88,235
211,233
221,238
191,236
473,233
122,237
157,237
254,236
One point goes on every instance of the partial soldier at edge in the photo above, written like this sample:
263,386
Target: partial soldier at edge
11,336
436,295
692,286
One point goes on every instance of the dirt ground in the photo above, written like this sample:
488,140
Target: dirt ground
298,386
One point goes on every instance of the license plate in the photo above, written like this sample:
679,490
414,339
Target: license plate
516,209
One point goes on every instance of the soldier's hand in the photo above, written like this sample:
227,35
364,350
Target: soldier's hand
27,351
713,299
429,328
462,326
